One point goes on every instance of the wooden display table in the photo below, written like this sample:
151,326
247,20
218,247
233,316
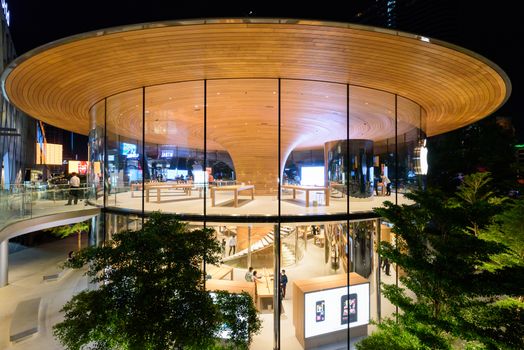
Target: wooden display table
264,292
231,286
161,186
323,309
308,189
233,188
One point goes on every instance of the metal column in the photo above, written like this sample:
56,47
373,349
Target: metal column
4,262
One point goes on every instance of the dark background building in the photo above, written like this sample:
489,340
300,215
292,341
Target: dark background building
17,130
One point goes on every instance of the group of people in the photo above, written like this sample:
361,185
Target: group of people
252,276
232,245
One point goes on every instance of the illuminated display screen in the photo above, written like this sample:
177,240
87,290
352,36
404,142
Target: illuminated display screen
167,153
312,176
79,167
333,310
129,150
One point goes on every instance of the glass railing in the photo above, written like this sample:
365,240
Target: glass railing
21,202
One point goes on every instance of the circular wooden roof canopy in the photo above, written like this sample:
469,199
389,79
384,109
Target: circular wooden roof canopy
58,83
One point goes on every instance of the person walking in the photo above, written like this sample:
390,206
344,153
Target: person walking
74,187
232,244
283,283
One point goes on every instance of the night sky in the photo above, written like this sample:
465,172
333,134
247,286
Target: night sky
490,28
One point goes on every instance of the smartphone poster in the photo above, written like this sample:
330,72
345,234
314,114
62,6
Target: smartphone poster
348,306
320,311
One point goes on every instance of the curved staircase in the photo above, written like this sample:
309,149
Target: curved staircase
263,244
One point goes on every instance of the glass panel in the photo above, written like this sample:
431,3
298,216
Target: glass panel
313,129
317,299
175,147
372,129
242,139
386,270
247,245
124,150
412,151
95,174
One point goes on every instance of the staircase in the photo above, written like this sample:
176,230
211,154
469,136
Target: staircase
266,242
287,254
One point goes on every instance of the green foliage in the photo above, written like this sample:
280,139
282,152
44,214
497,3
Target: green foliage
508,227
68,230
238,316
151,293
395,336
442,251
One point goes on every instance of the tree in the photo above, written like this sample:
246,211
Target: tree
68,230
151,294
458,302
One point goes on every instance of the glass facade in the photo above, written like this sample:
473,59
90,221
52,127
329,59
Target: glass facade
261,147
285,171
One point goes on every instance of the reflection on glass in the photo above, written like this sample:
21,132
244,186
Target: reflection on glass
96,170
174,134
124,150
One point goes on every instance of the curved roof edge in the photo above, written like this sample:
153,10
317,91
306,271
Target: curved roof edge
239,20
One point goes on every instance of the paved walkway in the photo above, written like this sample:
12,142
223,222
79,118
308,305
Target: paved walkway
27,267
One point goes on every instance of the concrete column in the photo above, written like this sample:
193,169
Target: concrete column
96,231
249,246
4,262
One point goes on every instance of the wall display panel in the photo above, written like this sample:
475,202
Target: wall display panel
174,136
332,310
312,113
124,147
242,120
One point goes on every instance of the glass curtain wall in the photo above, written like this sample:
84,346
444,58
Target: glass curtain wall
97,169
242,120
174,136
313,121
124,147
211,149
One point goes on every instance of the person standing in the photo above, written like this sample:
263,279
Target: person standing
249,275
232,244
74,187
283,283
387,182
223,247
386,265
